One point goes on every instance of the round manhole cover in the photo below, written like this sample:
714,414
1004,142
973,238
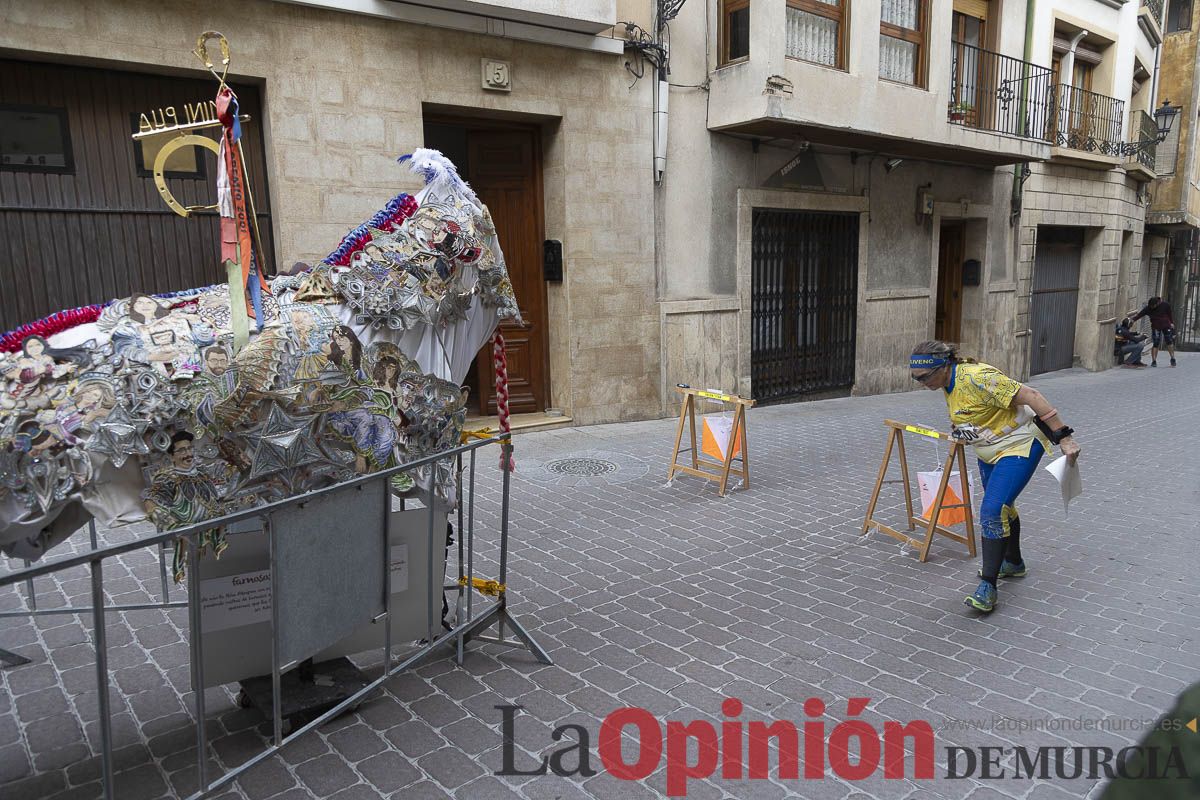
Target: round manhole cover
582,467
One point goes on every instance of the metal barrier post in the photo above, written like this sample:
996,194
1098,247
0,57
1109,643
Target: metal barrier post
431,501
162,571
100,642
197,637
276,691
32,598
471,543
387,575
458,647
506,460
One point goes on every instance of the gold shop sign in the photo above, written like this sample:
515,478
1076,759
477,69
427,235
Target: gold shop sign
160,120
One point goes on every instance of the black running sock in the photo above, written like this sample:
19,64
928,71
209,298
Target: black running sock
993,554
1012,553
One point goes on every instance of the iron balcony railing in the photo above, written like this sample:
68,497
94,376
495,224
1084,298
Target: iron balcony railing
1156,9
1087,121
993,92
1145,139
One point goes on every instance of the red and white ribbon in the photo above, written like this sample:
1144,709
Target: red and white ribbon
500,359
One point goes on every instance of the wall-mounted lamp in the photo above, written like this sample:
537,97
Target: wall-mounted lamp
1164,119
892,163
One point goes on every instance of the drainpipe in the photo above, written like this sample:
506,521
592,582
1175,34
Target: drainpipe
662,90
1019,170
660,125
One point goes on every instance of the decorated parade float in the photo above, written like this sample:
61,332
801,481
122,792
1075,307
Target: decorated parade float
183,407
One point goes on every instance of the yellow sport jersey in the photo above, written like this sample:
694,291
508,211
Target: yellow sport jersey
980,395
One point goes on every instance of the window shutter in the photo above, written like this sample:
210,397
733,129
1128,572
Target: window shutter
972,8
1083,53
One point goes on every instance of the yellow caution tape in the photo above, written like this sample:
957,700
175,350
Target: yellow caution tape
482,433
922,431
714,396
484,586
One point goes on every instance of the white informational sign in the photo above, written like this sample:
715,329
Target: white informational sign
399,568
235,596
236,600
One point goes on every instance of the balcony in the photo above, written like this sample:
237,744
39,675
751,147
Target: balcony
997,93
1155,7
1145,144
1086,126
807,78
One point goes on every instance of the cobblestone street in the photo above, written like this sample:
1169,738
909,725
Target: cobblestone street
673,599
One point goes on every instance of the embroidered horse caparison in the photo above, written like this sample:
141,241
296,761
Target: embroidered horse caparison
146,410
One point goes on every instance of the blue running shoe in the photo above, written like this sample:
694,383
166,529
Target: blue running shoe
1009,570
984,598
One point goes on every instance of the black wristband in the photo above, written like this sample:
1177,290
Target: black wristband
1062,433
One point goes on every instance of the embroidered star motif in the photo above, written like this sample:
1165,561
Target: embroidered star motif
283,442
119,436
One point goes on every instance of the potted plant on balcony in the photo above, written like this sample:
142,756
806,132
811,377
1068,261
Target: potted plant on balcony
960,110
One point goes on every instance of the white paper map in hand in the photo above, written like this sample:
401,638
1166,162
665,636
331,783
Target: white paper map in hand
1067,475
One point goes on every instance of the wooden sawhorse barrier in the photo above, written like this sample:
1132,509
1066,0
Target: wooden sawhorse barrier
957,451
711,470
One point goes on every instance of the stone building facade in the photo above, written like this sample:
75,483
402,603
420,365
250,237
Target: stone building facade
819,203
956,165
1087,204
789,126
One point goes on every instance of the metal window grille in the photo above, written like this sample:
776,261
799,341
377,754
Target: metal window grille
804,299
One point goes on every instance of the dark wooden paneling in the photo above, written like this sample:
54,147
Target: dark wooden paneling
104,231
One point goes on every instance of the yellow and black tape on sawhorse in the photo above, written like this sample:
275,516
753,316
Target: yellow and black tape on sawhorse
896,431
715,471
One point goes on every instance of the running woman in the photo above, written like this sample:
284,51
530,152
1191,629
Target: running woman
986,411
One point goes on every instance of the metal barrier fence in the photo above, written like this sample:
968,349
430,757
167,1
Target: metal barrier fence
295,548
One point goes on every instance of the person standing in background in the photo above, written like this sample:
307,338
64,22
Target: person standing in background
1162,328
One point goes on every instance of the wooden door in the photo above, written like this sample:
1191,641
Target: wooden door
504,169
948,324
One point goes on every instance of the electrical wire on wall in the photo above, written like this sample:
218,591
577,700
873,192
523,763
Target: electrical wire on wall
654,46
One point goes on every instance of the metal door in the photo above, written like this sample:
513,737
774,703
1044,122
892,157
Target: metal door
1184,297
1055,298
804,297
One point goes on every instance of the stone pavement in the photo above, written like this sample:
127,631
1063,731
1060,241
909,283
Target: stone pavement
672,599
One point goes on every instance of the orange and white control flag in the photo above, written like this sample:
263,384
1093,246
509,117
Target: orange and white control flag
717,430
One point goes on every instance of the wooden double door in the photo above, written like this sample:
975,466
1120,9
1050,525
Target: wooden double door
502,163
